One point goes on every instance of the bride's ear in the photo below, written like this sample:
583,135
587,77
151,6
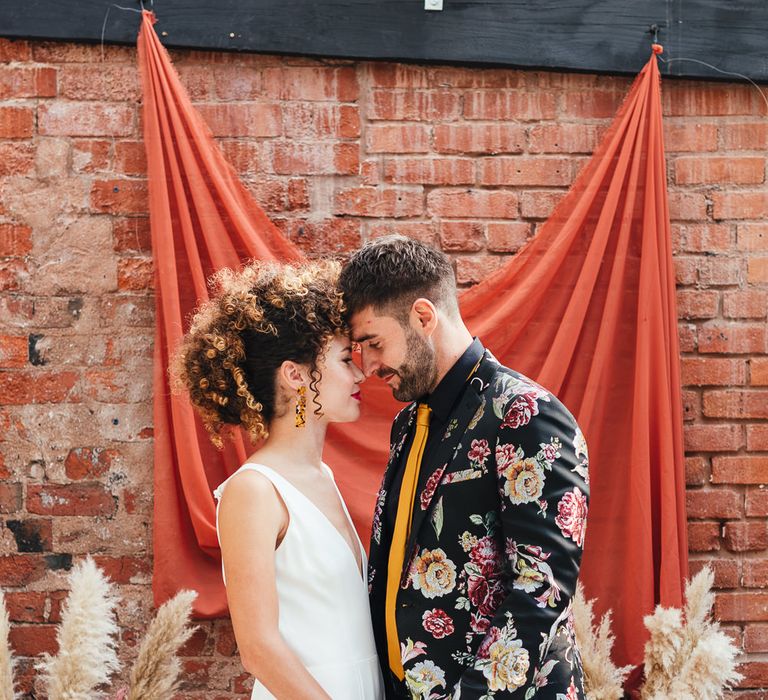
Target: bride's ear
292,375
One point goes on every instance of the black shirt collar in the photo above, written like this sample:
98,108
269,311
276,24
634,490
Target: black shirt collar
446,393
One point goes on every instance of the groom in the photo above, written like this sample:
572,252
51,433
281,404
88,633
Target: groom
480,520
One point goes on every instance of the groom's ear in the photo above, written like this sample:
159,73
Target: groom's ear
423,316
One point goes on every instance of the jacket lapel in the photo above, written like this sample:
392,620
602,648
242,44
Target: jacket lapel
442,461
400,430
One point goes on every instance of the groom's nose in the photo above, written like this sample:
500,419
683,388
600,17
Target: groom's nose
368,363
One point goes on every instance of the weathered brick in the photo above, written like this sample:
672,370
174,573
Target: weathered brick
710,99
688,206
119,196
593,104
740,205
757,270
474,269
23,81
132,235
311,83
757,437
756,636
756,573
503,105
86,119
380,202
26,606
744,136
332,237
755,675
758,371
110,83
16,158
242,118
713,438
746,469
125,570
413,105
130,158
13,351
70,499
479,138
462,236
33,640
563,138
745,304
522,171
741,607
14,50
745,403
689,136
135,274
702,238
712,504
747,536
24,387
397,138
316,158
319,120
18,570
697,303
508,236
16,122
695,170
752,236
10,497
733,338
703,537
430,171
713,371
726,571
696,469
88,462
466,203
233,83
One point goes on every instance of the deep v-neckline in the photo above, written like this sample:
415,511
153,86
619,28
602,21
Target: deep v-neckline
359,566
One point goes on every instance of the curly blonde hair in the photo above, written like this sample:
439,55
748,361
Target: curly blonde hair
256,319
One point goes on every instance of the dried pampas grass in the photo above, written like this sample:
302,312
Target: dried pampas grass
603,680
86,637
7,661
690,658
156,670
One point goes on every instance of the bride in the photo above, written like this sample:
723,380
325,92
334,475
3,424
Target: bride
270,352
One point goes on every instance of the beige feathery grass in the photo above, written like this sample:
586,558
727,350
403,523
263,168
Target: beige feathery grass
603,680
86,637
7,661
689,657
156,670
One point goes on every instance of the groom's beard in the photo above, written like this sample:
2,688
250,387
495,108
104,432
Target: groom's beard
419,372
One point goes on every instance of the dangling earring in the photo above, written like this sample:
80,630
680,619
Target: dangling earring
301,407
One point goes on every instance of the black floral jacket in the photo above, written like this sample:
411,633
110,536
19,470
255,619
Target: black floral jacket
484,606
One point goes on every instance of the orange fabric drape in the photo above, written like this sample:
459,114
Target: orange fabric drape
587,308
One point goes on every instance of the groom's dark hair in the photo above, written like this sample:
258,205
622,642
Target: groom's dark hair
391,272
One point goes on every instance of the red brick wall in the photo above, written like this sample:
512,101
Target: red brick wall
337,152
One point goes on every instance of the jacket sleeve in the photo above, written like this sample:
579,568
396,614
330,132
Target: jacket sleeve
541,472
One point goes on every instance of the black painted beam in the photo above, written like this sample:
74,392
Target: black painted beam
604,36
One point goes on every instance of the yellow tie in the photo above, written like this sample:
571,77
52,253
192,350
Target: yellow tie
401,533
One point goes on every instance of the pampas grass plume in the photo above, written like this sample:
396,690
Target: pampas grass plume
156,670
7,661
690,660
603,680
86,637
